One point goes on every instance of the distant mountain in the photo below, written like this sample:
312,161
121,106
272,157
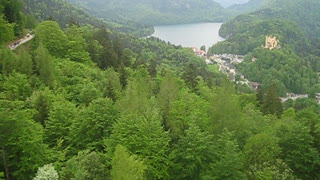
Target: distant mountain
305,13
228,3
155,12
292,66
250,6
59,10
65,13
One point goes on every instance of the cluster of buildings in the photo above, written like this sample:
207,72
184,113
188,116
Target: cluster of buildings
227,62
227,65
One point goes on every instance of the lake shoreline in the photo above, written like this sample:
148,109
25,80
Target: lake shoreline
189,35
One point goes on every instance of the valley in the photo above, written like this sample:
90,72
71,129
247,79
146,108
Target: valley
220,91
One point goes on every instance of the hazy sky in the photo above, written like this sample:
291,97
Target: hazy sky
226,3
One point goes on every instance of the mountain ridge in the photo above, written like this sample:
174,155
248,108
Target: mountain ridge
157,12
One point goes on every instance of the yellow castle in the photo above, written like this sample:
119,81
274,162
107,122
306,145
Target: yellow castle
271,42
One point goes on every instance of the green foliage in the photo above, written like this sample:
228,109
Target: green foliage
86,165
293,67
60,11
24,63
270,102
93,125
44,65
22,143
286,71
126,166
144,136
52,37
261,148
61,116
227,159
186,109
16,87
7,61
47,172
77,45
277,171
41,102
168,92
191,154
13,15
6,30
156,12
99,104
297,149
224,109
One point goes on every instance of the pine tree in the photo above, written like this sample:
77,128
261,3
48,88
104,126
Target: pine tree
271,102
45,66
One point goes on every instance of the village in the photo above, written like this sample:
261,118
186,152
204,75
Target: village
227,65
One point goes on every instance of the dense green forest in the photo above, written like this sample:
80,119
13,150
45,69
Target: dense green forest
295,66
159,12
87,102
156,12
66,14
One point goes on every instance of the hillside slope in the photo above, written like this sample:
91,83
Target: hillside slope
65,14
294,66
304,13
155,12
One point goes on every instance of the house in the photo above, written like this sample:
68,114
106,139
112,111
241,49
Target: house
255,85
254,59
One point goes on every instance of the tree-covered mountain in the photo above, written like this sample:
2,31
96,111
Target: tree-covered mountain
228,3
60,11
155,12
67,14
295,66
304,13
84,102
248,7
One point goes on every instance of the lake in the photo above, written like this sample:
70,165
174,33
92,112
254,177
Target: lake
190,35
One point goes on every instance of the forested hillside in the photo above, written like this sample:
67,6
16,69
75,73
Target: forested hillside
85,102
228,3
156,12
250,6
67,14
294,67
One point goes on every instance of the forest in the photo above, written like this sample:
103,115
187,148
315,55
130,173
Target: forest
156,12
295,65
83,101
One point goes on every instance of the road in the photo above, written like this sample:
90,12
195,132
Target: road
21,41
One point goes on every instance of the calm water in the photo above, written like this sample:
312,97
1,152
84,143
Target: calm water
190,35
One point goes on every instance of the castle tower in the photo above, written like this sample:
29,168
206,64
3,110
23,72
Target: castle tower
271,42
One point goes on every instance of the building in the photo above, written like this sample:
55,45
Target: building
271,42
199,52
255,85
